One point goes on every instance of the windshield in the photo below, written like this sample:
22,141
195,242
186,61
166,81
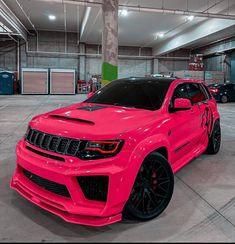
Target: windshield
143,94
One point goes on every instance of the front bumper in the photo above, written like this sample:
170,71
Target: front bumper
76,208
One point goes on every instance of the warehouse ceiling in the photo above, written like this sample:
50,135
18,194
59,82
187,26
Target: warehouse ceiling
135,29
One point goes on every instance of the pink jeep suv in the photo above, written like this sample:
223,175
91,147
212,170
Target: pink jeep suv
116,153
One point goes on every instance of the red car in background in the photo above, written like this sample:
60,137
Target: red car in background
116,153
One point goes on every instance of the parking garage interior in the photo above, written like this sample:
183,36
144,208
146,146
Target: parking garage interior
54,53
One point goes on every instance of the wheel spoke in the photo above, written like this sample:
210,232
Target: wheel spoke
143,202
137,200
164,182
163,189
151,200
156,194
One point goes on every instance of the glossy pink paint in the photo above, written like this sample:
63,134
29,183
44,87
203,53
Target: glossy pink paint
143,131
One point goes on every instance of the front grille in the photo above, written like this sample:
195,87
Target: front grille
45,154
94,187
57,144
47,184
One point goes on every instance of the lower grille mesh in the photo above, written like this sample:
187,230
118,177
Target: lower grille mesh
94,187
47,184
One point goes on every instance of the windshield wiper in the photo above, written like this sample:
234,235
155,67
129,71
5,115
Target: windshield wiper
122,105
132,106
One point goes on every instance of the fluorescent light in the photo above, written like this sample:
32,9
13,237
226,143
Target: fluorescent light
190,18
123,12
161,35
52,17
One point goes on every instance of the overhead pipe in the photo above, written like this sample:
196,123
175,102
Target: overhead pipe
12,20
27,17
18,58
149,9
81,54
99,55
76,2
177,12
65,28
9,33
78,30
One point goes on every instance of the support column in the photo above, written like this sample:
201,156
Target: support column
232,77
82,62
155,66
109,41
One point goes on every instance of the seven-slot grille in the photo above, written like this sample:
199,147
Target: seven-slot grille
47,184
61,145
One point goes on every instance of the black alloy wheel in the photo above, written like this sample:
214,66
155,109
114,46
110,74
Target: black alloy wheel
152,190
224,99
215,139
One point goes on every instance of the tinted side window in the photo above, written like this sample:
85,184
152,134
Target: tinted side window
206,91
181,91
196,95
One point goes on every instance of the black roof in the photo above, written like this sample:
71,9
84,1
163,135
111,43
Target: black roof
146,79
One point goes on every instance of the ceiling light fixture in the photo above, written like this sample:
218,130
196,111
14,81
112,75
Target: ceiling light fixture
123,12
190,18
161,35
52,17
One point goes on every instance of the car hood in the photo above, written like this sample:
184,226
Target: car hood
87,120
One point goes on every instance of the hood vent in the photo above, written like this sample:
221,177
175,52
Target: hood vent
72,119
92,108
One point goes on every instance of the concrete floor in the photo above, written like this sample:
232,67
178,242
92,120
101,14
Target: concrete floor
202,208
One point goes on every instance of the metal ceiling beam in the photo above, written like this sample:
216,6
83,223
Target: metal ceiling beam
148,9
194,35
10,18
8,33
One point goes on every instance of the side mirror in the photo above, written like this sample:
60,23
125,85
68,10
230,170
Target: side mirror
90,94
182,104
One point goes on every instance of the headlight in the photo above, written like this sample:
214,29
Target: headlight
101,149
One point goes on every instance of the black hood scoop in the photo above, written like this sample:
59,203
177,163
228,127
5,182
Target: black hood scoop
72,119
92,108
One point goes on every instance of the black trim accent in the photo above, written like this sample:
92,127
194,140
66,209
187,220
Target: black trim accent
45,154
48,185
181,147
92,108
72,119
172,110
64,145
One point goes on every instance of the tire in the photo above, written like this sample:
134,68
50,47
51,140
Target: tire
152,190
224,99
215,139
